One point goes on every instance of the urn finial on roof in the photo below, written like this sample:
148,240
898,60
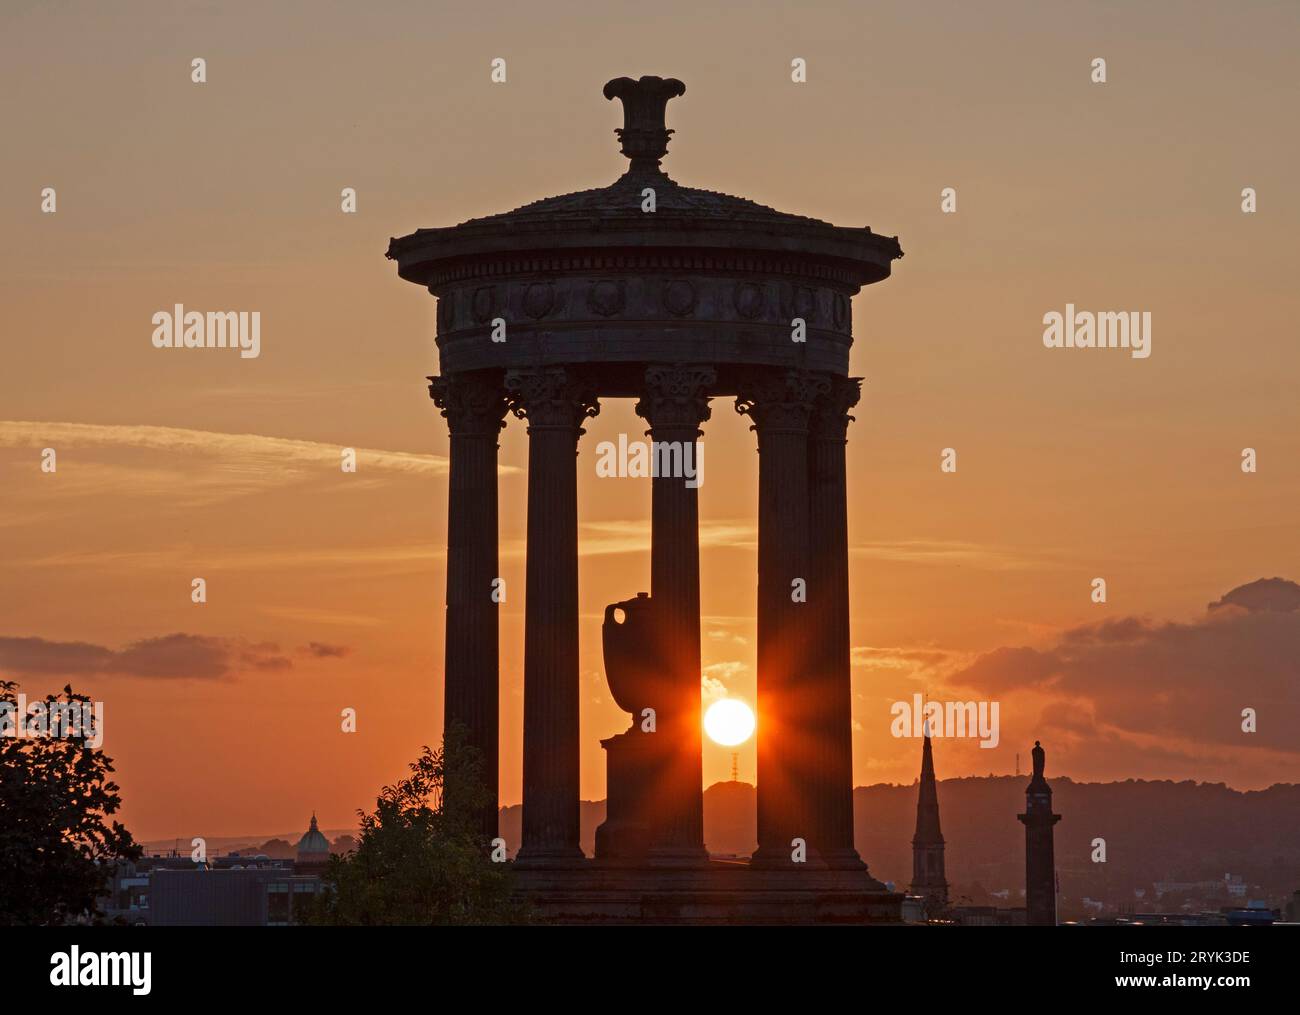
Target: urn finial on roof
644,136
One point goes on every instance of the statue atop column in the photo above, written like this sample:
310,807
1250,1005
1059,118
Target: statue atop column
1040,852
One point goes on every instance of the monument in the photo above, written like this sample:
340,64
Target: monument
1040,855
676,297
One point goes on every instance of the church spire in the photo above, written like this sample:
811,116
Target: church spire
927,800
928,877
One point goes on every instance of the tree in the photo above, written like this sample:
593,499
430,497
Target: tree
421,858
58,847
278,849
343,844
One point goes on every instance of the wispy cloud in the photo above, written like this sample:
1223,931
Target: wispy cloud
948,553
892,659
405,556
320,650
633,536
312,615
269,456
172,656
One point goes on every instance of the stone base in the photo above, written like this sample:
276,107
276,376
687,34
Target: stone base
843,860
572,858
723,892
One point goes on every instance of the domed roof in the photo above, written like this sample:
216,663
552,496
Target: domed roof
613,216
313,843
624,196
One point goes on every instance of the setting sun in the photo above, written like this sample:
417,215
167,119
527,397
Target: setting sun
729,722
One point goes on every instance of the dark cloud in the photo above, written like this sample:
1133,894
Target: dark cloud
1275,594
1124,629
322,651
1005,669
1067,717
263,656
1189,680
172,656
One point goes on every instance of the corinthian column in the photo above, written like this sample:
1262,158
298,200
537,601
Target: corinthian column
554,402
832,792
780,403
474,407
675,402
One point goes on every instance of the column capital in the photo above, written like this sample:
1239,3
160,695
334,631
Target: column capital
472,405
830,416
676,396
551,398
781,401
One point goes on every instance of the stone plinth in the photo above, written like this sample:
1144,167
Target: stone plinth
719,893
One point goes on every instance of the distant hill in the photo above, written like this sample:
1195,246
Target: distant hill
284,847
1154,831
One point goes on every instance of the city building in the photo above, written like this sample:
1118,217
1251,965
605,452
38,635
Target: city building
227,891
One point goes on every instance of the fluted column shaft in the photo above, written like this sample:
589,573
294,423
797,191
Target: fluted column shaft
832,788
554,402
780,403
474,407
675,402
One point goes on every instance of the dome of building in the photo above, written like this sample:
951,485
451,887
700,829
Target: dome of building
313,847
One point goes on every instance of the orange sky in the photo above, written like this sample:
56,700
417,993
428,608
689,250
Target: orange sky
326,589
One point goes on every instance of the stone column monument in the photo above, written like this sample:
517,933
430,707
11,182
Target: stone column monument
1040,851
673,296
